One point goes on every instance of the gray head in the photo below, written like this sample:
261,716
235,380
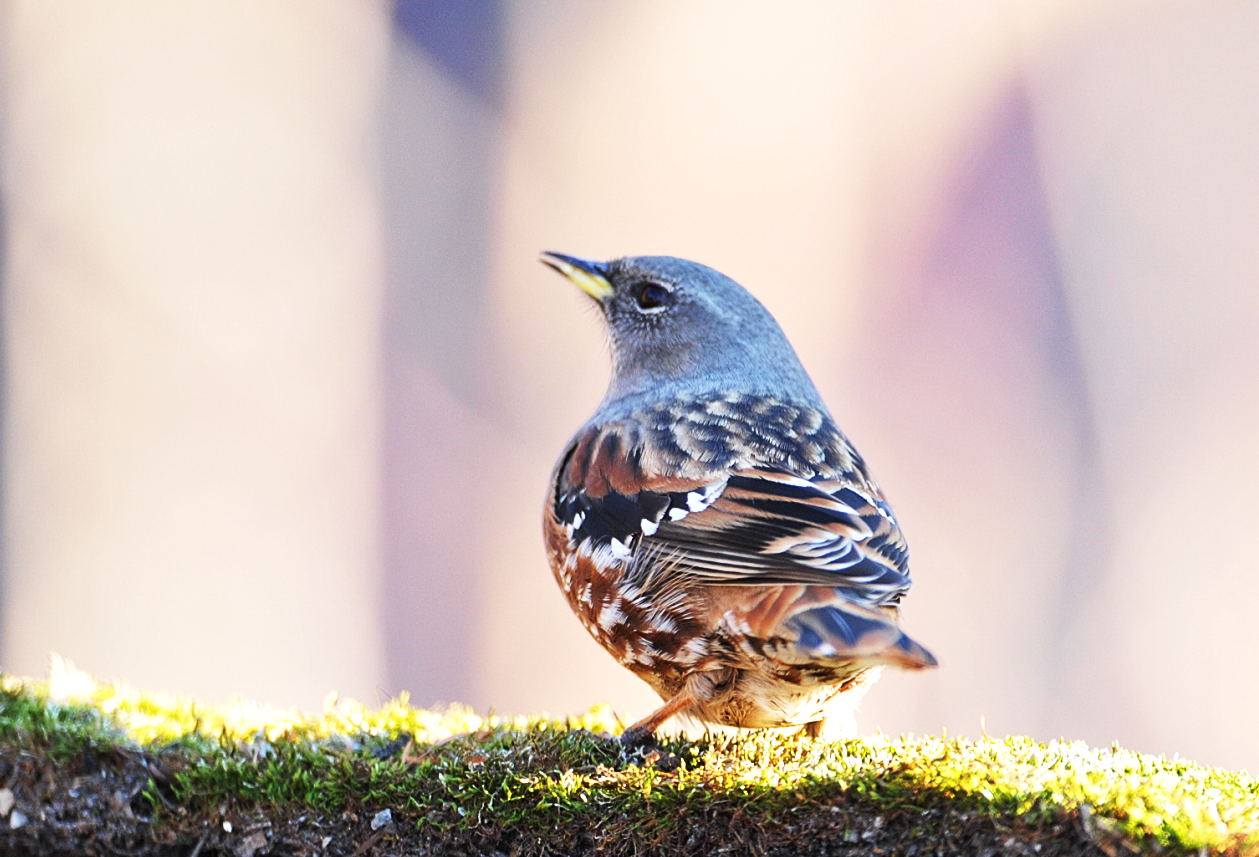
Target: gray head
681,327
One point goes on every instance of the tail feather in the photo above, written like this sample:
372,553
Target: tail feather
840,631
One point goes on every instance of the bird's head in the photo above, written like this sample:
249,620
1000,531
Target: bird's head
681,327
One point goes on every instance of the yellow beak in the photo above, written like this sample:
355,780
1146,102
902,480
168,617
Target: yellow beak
589,276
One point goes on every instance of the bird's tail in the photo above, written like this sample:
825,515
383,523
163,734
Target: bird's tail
841,630
801,624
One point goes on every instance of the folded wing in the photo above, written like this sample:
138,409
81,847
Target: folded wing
744,524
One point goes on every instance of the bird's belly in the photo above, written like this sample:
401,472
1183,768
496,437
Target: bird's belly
666,640
762,698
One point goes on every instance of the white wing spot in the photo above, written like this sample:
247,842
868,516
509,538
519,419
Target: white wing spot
698,501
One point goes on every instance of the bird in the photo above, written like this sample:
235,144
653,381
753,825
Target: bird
710,525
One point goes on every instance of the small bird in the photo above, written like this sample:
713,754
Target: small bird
710,525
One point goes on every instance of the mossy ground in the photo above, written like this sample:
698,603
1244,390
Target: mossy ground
104,769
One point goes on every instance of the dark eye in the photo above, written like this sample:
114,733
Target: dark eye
651,296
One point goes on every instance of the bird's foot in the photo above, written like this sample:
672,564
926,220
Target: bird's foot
634,739
639,747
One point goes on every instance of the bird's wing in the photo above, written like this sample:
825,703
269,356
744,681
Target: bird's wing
743,525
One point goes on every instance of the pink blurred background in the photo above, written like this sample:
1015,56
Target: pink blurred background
283,381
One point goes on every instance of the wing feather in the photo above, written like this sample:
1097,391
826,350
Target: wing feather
739,524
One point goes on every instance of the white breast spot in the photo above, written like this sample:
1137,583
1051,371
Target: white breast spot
695,647
611,614
665,624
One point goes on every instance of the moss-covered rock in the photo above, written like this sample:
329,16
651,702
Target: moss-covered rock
101,768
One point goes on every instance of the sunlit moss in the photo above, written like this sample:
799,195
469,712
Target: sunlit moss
461,769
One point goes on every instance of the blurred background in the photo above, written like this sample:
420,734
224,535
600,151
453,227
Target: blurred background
283,381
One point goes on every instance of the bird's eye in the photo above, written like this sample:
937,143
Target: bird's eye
652,296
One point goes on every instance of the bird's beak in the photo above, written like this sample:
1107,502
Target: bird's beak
590,277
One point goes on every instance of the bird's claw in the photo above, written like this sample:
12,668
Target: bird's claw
638,746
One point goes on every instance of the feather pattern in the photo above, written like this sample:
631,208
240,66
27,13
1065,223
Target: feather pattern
711,526
777,496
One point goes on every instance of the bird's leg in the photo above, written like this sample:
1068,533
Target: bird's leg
831,728
839,721
641,732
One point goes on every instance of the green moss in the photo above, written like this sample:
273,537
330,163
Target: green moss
60,730
461,771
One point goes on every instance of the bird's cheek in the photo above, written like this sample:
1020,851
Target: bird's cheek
675,357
